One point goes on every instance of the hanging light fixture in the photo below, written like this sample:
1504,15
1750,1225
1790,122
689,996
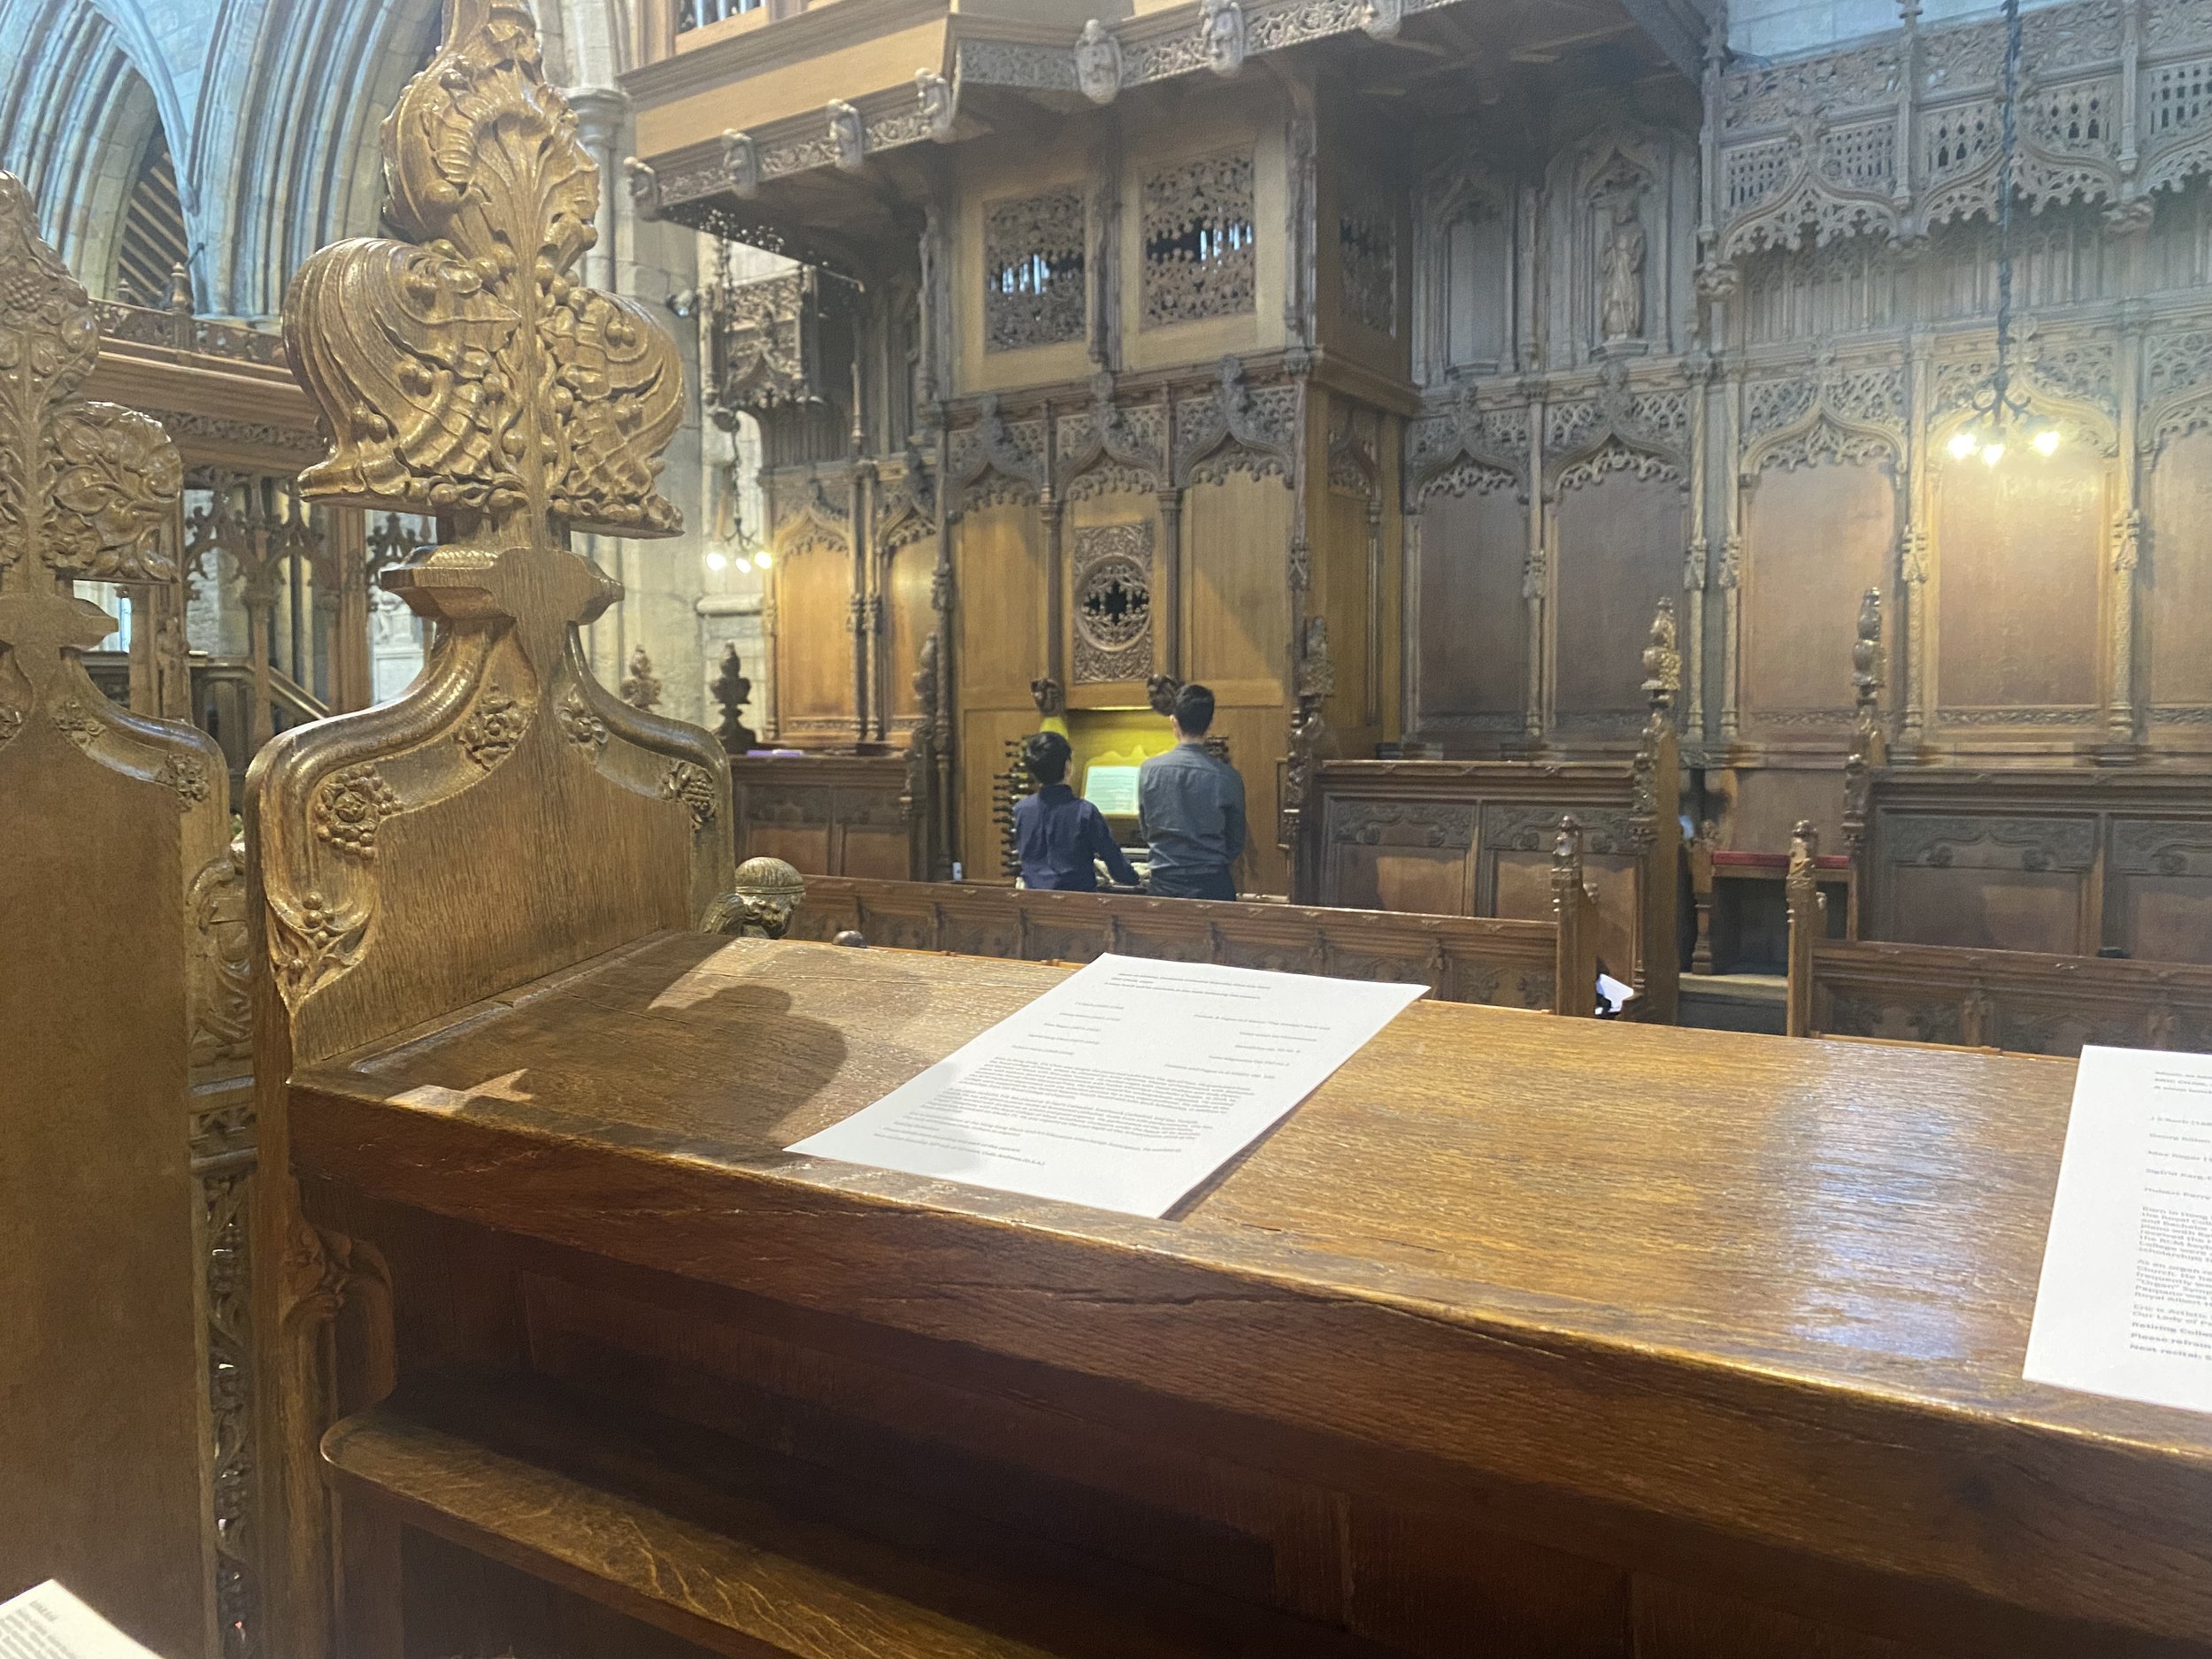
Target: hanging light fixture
1998,418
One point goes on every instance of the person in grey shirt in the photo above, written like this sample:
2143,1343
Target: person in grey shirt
1190,808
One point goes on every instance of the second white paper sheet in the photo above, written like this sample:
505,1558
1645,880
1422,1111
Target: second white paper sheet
1125,1085
2125,1304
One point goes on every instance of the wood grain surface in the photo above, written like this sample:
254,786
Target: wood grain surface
1774,1293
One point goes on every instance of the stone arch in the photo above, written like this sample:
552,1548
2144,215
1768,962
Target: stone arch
77,118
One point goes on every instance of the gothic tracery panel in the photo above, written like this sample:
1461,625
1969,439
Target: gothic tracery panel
1112,589
1200,240
1036,285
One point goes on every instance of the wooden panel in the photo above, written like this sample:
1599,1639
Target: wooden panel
2176,575
1236,593
1471,959
1674,1622
99,1356
814,636
2030,1003
824,814
1442,1586
1523,885
1341,594
1001,608
1620,544
983,735
122,984
1474,622
1816,538
1990,908
2019,548
909,620
1257,737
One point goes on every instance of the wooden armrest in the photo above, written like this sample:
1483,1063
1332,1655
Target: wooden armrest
721,1592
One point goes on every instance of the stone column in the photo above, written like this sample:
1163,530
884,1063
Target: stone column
601,113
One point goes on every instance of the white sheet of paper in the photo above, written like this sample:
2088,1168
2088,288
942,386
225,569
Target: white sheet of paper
1125,1085
47,1622
2125,1304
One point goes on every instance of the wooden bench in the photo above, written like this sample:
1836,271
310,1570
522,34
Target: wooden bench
1460,958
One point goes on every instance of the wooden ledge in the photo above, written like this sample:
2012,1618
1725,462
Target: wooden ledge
721,1592
748,1552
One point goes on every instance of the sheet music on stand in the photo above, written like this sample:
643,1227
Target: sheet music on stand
47,1622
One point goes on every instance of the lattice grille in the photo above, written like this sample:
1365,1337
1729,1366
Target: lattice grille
1035,292
1863,157
1199,241
1961,140
2181,95
1756,171
2073,118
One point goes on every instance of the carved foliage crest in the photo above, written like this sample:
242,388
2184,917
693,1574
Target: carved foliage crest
84,488
464,370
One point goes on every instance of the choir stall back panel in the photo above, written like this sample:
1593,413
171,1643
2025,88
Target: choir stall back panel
2062,863
1475,838
830,815
1554,1336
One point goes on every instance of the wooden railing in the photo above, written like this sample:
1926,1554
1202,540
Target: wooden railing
1541,966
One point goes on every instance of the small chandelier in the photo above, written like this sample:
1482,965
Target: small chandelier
1998,416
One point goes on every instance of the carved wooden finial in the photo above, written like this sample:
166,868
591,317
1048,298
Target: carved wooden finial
1808,922
1662,661
1867,674
642,688
463,371
85,488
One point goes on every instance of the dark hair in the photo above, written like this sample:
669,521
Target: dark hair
1046,755
1194,710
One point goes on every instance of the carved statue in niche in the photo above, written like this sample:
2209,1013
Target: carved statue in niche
1621,268
1098,63
1224,32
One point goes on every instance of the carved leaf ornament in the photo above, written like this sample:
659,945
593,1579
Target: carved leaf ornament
461,370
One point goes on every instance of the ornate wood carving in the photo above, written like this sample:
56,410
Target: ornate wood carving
1035,284
1200,240
86,490
1367,255
763,344
1808,923
462,370
1111,584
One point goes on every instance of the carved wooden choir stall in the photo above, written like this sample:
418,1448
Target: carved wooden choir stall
1578,1348
127,1185
526,1335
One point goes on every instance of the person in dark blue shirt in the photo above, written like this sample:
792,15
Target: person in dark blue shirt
1058,836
